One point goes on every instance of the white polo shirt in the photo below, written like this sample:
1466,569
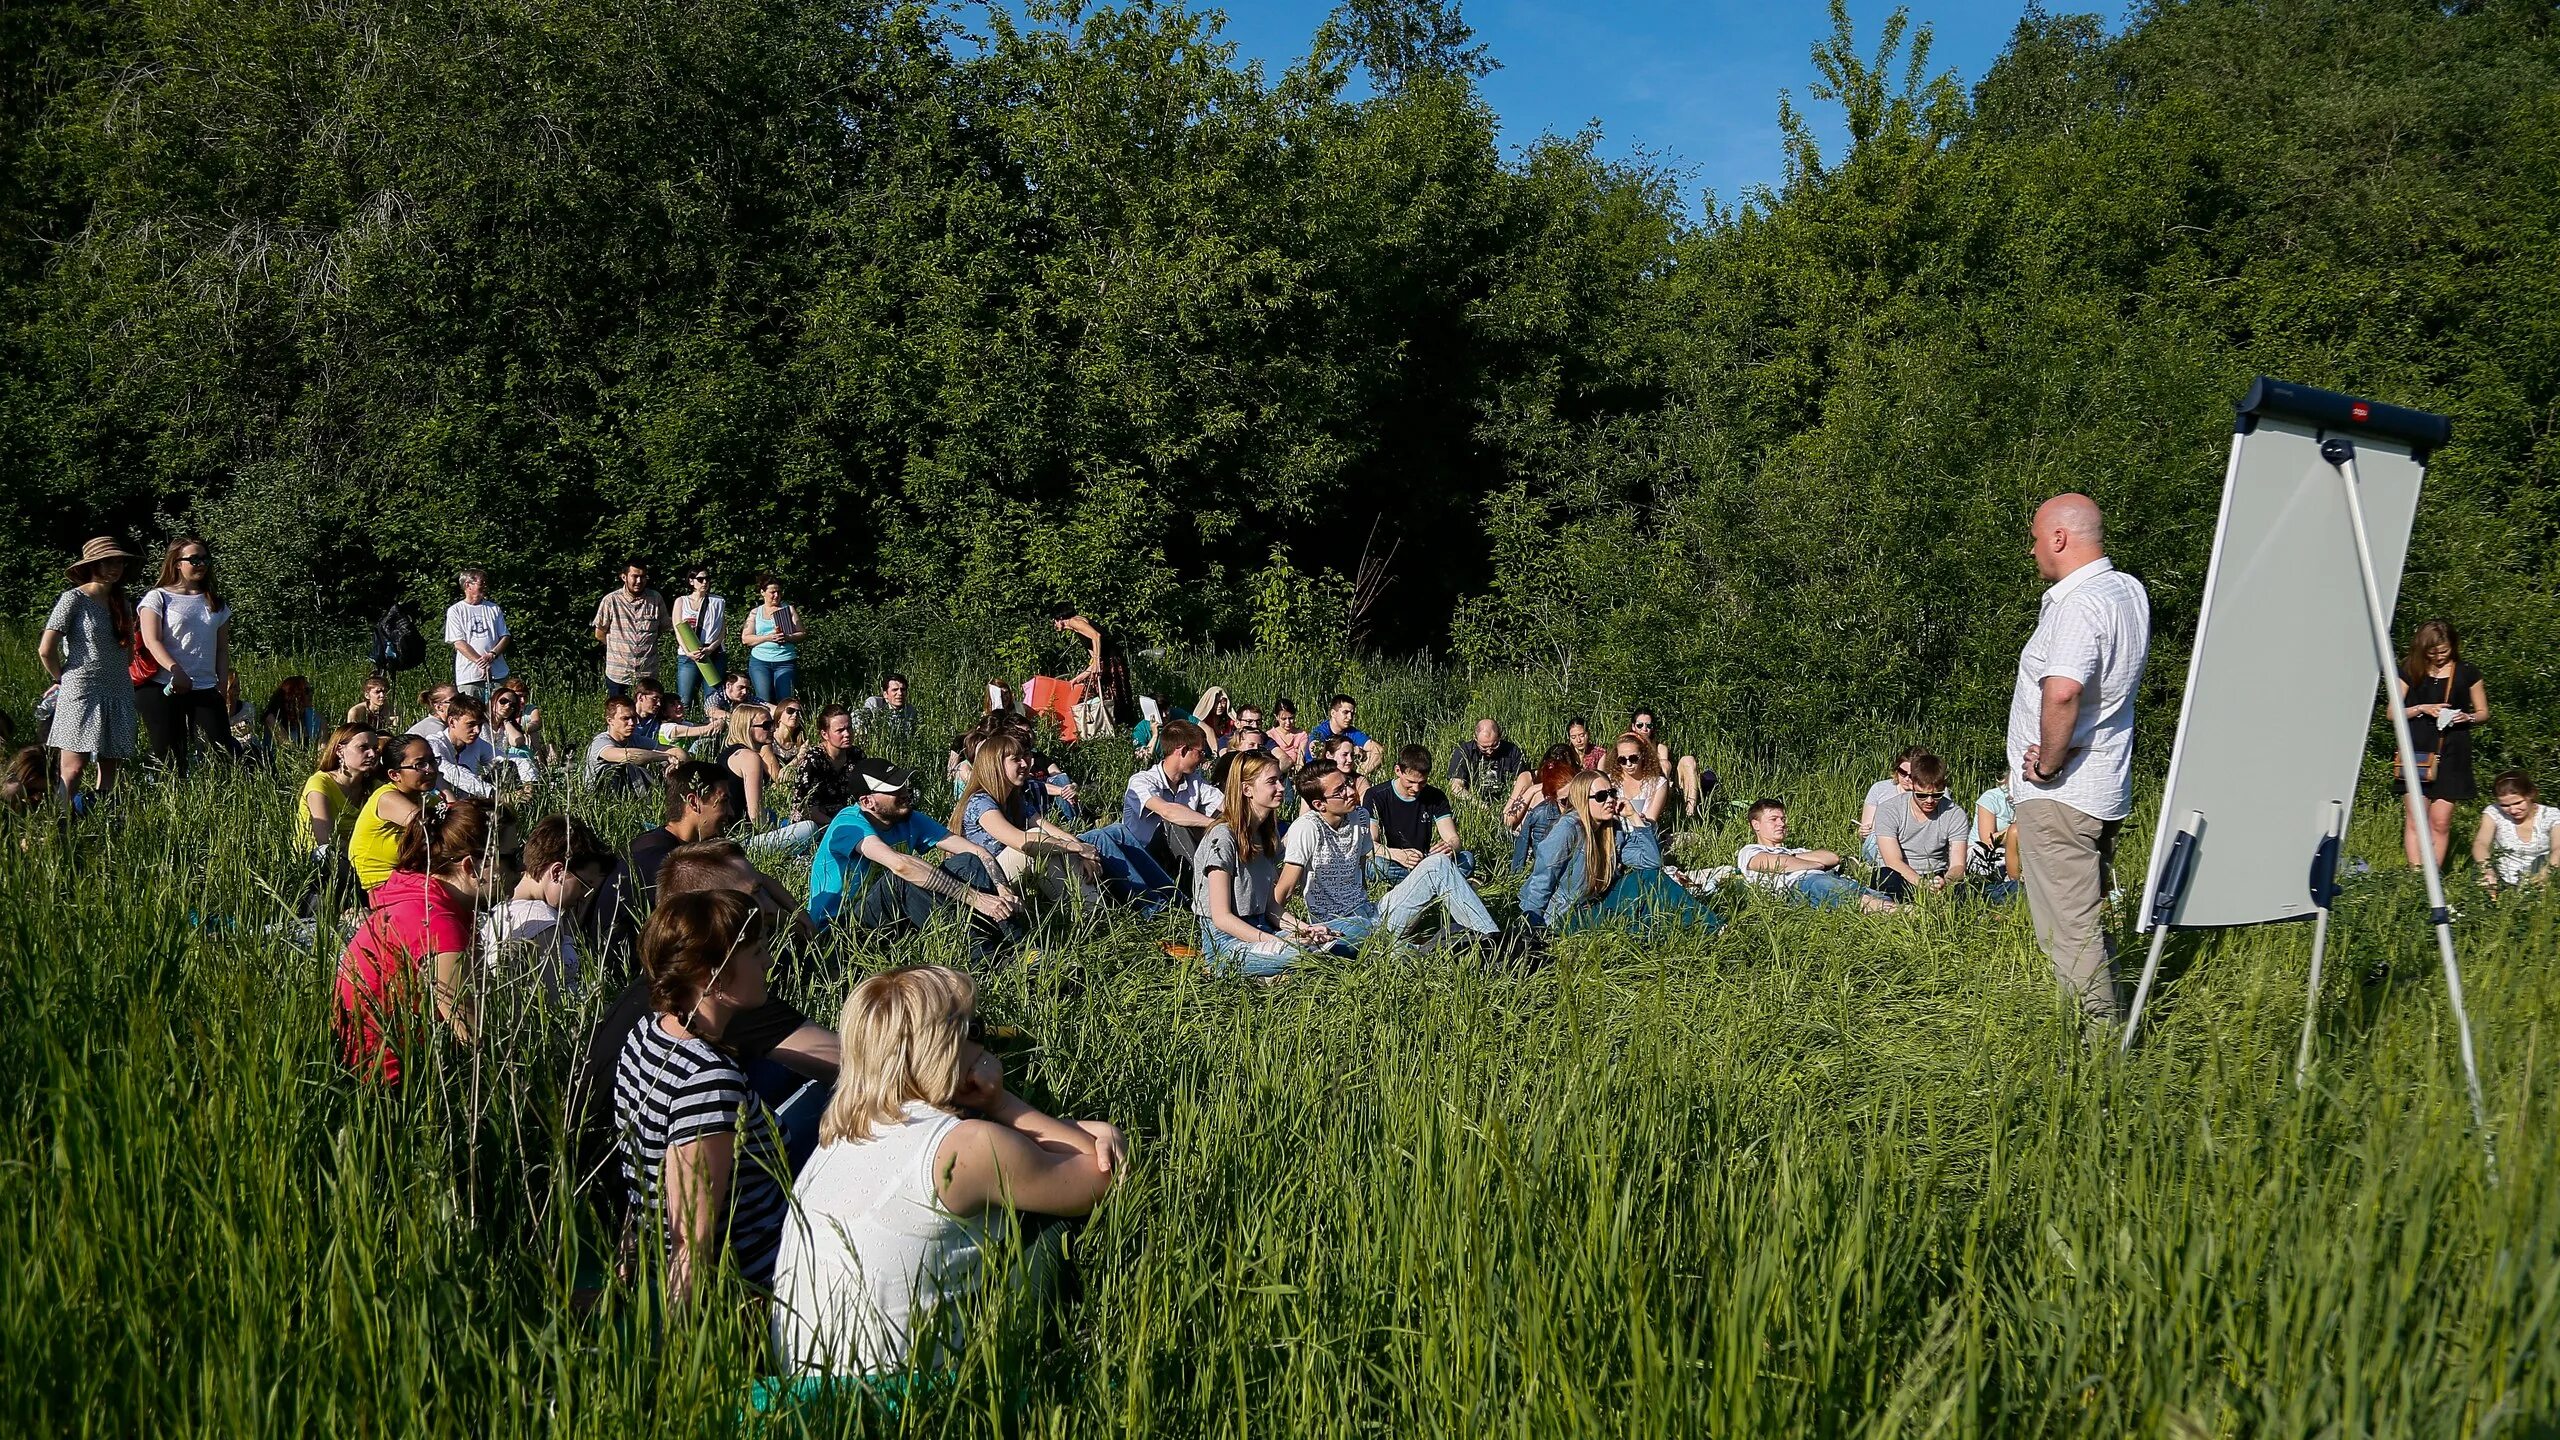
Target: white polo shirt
2094,627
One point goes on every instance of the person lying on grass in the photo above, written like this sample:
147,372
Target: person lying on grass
1578,879
704,1169
924,1162
1810,876
420,926
1329,853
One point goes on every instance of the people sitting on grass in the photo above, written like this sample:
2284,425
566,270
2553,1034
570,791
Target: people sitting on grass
418,931
409,773
1921,837
1168,806
1644,792
534,932
2513,844
1329,853
869,873
1006,815
724,700
1214,713
1886,791
342,778
1587,754
790,734
1343,753
1994,858
788,1061
1811,876
747,754
700,804
1540,807
888,714
289,718
617,763
1487,766
924,1162
1695,780
515,731
662,725
1235,878
463,755
1342,714
823,776
1578,881
1250,732
431,707
704,1168
1288,741
1413,820
373,711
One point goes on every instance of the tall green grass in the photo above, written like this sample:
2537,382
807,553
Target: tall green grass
1820,1174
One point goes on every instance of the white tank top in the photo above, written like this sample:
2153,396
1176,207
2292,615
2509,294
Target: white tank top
870,1256
2521,851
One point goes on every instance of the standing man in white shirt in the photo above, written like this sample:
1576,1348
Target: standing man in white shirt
2071,744
477,631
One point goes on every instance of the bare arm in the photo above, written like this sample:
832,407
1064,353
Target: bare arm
812,1051
2052,750
984,1163
1182,815
451,971
2478,708
2483,846
1654,802
315,803
1286,885
1446,828
695,1180
1866,821
1371,755
49,651
155,638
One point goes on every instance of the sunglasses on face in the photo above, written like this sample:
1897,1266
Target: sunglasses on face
1643,725
1604,797
1928,794
1630,759
198,558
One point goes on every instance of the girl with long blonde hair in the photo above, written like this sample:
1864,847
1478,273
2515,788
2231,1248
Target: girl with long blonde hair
1002,812
923,1161
1580,879
746,752
1234,874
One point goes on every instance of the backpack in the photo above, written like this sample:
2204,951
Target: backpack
397,645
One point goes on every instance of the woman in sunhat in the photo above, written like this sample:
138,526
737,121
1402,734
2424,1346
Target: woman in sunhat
87,643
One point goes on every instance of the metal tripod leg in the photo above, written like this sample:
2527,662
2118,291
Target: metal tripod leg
2341,453
2324,892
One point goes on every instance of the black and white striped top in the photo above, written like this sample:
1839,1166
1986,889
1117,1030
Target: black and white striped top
667,1092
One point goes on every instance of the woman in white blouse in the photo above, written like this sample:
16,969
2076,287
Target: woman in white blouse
923,1162
2513,845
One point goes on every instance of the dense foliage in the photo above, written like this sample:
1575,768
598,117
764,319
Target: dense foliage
930,310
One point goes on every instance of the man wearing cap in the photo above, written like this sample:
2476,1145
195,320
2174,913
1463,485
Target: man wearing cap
86,646
869,872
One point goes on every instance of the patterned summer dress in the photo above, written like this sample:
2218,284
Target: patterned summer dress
93,712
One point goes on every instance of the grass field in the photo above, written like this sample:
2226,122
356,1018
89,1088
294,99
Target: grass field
1820,1174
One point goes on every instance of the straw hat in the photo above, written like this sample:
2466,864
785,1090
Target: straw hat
102,548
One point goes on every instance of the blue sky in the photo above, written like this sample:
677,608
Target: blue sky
1695,84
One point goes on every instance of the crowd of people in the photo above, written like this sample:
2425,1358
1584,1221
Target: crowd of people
861,1175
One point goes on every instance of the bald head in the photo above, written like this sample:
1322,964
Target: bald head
2069,533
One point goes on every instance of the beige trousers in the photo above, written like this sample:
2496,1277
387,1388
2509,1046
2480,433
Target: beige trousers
2068,857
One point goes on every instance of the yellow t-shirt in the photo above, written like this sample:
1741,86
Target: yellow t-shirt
342,818
375,845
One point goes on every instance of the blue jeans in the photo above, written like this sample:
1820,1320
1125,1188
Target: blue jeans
1646,897
1437,880
1829,889
691,682
774,681
1382,868
1228,955
888,903
1132,873
1640,847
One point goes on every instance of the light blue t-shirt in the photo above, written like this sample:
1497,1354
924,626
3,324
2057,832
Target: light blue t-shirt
1996,800
839,869
772,652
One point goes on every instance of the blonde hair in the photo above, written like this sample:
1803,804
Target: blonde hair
904,1033
1648,765
1599,838
1251,839
742,718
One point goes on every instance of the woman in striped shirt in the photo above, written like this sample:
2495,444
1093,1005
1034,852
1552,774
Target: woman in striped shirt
702,1158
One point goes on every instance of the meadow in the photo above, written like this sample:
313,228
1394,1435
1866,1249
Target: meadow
1817,1174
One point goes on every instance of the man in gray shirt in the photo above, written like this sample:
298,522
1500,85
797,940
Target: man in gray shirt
1921,839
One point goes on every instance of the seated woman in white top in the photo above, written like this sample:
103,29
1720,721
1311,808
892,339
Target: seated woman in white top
923,1161
2513,846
